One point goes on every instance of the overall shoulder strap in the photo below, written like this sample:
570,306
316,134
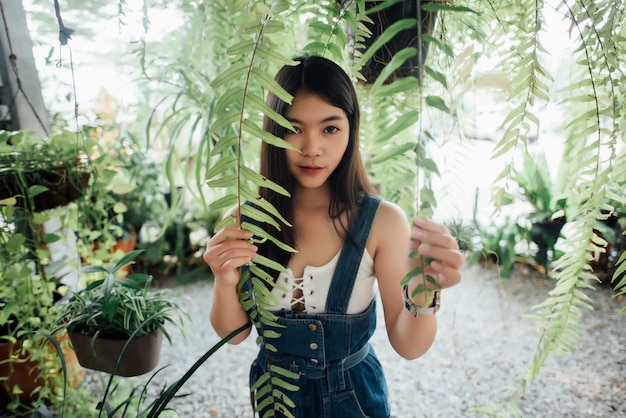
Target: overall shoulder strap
349,261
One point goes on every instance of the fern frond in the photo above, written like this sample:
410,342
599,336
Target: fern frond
326,34
530,82
236,129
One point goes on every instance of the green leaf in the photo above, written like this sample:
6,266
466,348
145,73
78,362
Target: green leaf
436,75
225,120
263,391
224,202
37,189
259,216
385,37
284,384
270,323
226,100
50,238
263,405
264,378
283,372
256,199
16,242
278,394
257,102
234,72
93,269
223,164
416,272
398,59
127,259
433,282
120,207
228,141
400,85
280,6
275,55
438,103
405,121
261,181
445,48
268,333
225,222
274,26
264,261
315,48
268,82
225,181
427,196
393,152
259,232
429,165
267,137
242,47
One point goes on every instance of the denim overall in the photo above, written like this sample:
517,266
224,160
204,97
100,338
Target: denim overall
340,375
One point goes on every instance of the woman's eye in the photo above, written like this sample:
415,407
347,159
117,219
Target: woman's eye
331,129
296,131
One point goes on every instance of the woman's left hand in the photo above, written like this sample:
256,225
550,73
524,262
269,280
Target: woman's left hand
434,241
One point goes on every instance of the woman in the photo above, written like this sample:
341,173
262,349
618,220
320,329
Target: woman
350,244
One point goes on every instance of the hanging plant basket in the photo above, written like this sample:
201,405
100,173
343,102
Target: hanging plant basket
384,18
49,187
141,355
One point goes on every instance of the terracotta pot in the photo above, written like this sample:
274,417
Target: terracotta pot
25,373
141,356
125,245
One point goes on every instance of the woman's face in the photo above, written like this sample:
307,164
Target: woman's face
322,135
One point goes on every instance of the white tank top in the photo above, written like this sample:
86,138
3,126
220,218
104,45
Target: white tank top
315,285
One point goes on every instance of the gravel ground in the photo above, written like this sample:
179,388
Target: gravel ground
484,344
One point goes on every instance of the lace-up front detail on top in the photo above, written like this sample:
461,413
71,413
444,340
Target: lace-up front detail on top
297,298
309,292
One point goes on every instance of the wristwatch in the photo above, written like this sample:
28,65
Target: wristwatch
420,310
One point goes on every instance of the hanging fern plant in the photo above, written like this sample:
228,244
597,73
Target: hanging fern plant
235,128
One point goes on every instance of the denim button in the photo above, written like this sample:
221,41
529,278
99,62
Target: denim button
312,327
313,346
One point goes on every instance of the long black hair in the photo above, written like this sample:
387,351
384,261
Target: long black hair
326,79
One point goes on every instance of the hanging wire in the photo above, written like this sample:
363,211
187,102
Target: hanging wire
18,80
65,34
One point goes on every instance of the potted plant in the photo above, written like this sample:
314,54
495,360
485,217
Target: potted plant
117,325
548,216
29,367
41,177
40,173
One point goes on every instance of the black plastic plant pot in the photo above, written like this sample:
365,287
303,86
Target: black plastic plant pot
141,356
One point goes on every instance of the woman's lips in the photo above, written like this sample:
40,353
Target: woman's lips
311,170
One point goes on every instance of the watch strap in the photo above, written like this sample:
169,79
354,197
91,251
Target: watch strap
416,309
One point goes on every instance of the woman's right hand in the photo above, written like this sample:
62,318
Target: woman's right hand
227,251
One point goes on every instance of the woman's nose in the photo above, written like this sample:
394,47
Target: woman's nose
311,145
